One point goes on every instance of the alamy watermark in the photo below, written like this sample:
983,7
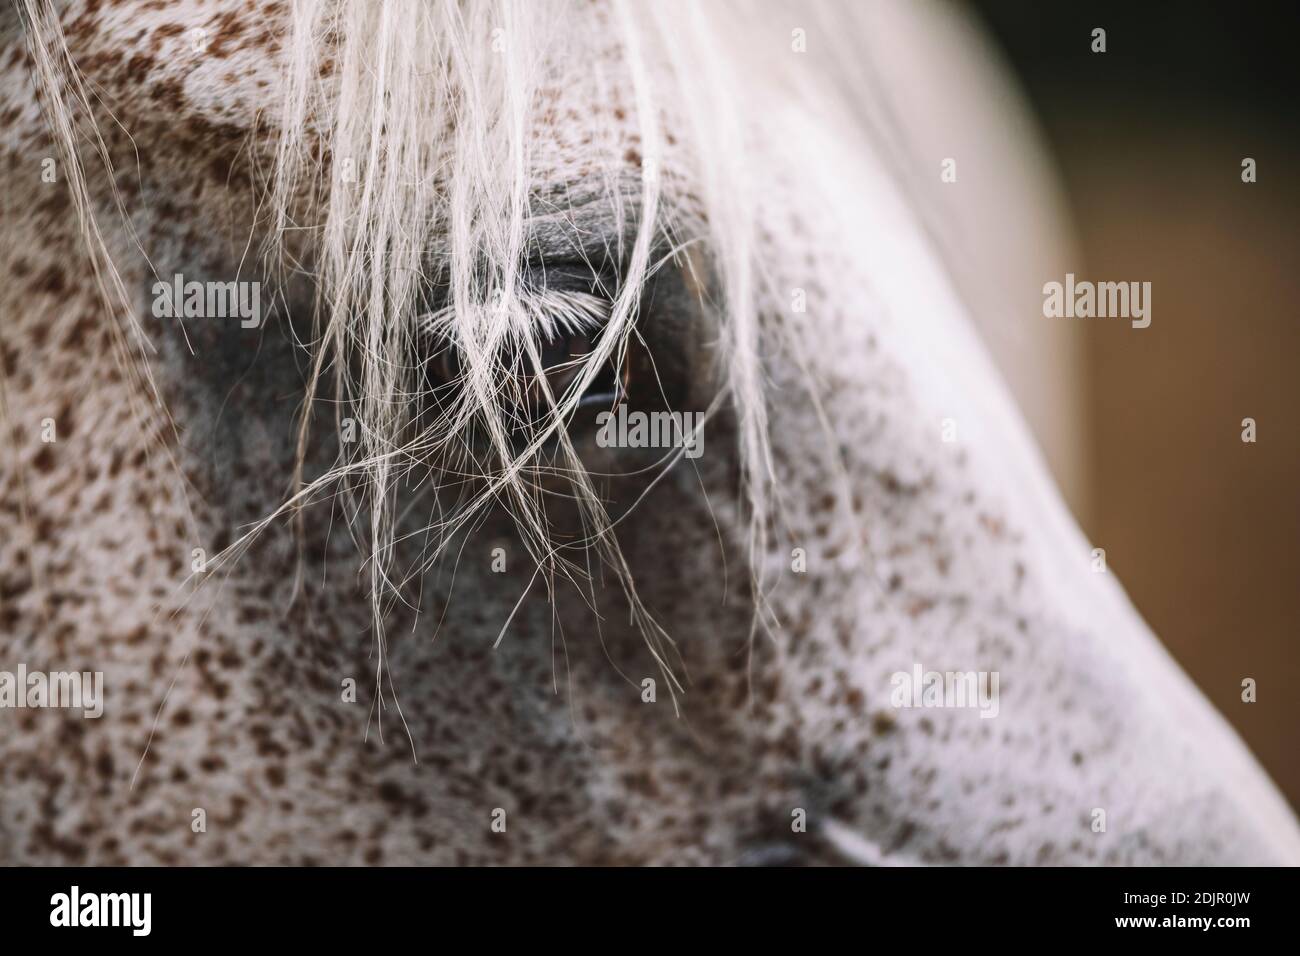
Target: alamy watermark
946,689
638,429
130,910
179,299
1102,300
74,690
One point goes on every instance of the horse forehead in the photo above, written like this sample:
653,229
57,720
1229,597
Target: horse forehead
223,54
215,71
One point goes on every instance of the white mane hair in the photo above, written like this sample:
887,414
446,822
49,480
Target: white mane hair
429,123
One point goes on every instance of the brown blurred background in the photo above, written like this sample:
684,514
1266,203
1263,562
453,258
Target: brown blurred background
1148,140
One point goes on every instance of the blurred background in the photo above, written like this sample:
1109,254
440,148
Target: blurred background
1143,427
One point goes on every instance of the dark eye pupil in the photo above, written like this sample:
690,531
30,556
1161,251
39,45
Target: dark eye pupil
564,350
562,362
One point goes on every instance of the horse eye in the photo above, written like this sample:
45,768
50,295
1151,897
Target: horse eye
563,350
563,356
562,361
440,373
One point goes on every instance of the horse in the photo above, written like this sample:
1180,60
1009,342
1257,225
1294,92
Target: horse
316,313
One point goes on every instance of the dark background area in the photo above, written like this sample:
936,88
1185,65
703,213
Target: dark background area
1148,138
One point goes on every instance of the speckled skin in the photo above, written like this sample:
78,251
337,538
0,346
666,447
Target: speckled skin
229,699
